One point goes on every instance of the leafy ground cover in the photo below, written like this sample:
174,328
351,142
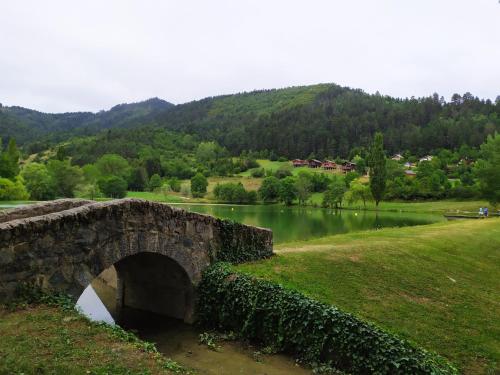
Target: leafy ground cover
436,285
50,340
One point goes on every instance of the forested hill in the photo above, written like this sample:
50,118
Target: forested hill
331,120
321,120
29,126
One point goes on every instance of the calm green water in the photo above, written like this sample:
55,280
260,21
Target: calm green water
302,223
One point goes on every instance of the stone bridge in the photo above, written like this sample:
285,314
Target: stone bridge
159,251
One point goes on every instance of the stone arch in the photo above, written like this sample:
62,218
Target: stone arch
164,289
63,245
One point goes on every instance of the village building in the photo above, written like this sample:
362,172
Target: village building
299,163
426,158
397,157
314,163
348,166
329,165
409,165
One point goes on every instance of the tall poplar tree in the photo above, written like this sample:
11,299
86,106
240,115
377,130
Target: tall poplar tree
378,173
9,160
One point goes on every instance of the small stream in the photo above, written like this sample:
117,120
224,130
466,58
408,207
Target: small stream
180,341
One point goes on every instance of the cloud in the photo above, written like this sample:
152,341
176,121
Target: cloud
61,56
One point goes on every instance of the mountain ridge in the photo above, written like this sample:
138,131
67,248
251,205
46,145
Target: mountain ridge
301,121
27,125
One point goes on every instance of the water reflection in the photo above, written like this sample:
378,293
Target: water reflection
179,341
92,307
303,223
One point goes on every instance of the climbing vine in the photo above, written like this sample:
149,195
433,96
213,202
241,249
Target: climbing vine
315,332
238,244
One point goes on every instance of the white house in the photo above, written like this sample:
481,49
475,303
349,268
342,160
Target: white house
397,157
426,158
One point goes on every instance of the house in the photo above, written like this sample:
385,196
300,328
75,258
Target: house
410,173
329,165
299,163
314,163
348,166
426,158
397,157
409,165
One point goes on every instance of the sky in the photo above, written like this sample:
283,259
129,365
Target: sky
61,56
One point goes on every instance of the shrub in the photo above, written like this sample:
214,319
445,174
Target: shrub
269,190
258,172
283,171
199,185
113,187
12,190
174,184
234,193
155,182
290,322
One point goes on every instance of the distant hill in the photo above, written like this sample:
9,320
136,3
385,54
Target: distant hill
330,120
320,120
28,126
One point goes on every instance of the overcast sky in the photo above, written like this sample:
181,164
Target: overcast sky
59,56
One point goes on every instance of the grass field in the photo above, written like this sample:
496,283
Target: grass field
441,207
48,340
275,165
158,197
249,183
437,285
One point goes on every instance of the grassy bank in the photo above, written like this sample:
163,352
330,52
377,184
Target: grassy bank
439,207
436,285
49,340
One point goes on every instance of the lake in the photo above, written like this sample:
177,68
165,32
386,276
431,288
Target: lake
303,223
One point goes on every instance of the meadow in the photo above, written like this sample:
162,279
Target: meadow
436,285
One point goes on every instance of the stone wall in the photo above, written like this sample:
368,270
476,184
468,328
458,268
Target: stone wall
39,209
65,250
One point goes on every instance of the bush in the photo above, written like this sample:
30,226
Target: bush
113,187
199,185
12,190
317,333
38,181
174,184
234,193
155,182
269,190
258,172
283,171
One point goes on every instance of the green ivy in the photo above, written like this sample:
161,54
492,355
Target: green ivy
238,244
284,319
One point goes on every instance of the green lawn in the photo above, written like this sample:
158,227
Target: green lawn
275,165
48,340
442,206
437,285
157,197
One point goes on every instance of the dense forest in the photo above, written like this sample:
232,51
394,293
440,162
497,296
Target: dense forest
329,120
39,130
323,120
